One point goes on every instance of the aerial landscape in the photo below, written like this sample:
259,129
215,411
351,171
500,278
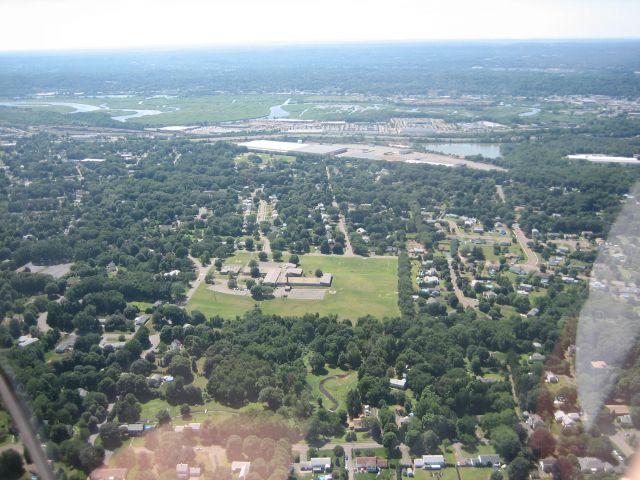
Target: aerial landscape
327,261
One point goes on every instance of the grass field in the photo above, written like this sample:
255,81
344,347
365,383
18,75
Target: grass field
466,473
362,286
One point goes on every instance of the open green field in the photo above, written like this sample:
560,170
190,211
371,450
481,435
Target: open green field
361,286
466,473
176,110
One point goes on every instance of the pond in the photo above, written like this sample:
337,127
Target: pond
278,112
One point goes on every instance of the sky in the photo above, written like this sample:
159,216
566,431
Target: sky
98,24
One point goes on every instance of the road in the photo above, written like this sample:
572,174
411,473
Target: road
342,224
464,301
93,436
328,394
302,450
532,259
154,339
513,393
348,250
261,216
201,273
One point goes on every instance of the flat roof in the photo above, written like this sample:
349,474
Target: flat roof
286,147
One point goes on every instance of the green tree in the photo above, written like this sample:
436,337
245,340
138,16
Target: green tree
272,396
10,464
506,442
316,362
519,468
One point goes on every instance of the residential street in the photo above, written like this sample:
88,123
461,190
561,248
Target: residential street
464,301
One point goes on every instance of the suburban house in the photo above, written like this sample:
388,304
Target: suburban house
320,464
25,341
433,462
551,377
537,357
489,295
135,429
535,421
546,464
141,320
618,410
182,471
594,465
400,383
487,460
371,464
109,474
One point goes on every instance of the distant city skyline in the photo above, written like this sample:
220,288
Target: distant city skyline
34,25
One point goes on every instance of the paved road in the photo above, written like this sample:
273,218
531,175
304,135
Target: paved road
464,301
201,272
262,217
532,258
154,339
328,394
302,450
348,249
342,224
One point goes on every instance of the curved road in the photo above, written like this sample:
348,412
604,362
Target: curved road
328,394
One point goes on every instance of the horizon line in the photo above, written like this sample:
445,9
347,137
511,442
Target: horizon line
237,46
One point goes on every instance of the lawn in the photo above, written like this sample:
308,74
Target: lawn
449,473
361,286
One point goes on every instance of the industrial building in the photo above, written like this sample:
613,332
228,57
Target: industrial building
270,146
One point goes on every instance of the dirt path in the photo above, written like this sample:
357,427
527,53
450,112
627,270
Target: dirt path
328,394
405,455
513,393
457,449
464,301
500,193
453,226
43,326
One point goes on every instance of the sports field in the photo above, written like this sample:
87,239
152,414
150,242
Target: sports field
360,286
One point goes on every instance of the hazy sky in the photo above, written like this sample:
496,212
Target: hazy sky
82,24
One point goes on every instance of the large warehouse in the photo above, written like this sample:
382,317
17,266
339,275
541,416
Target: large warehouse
271,146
